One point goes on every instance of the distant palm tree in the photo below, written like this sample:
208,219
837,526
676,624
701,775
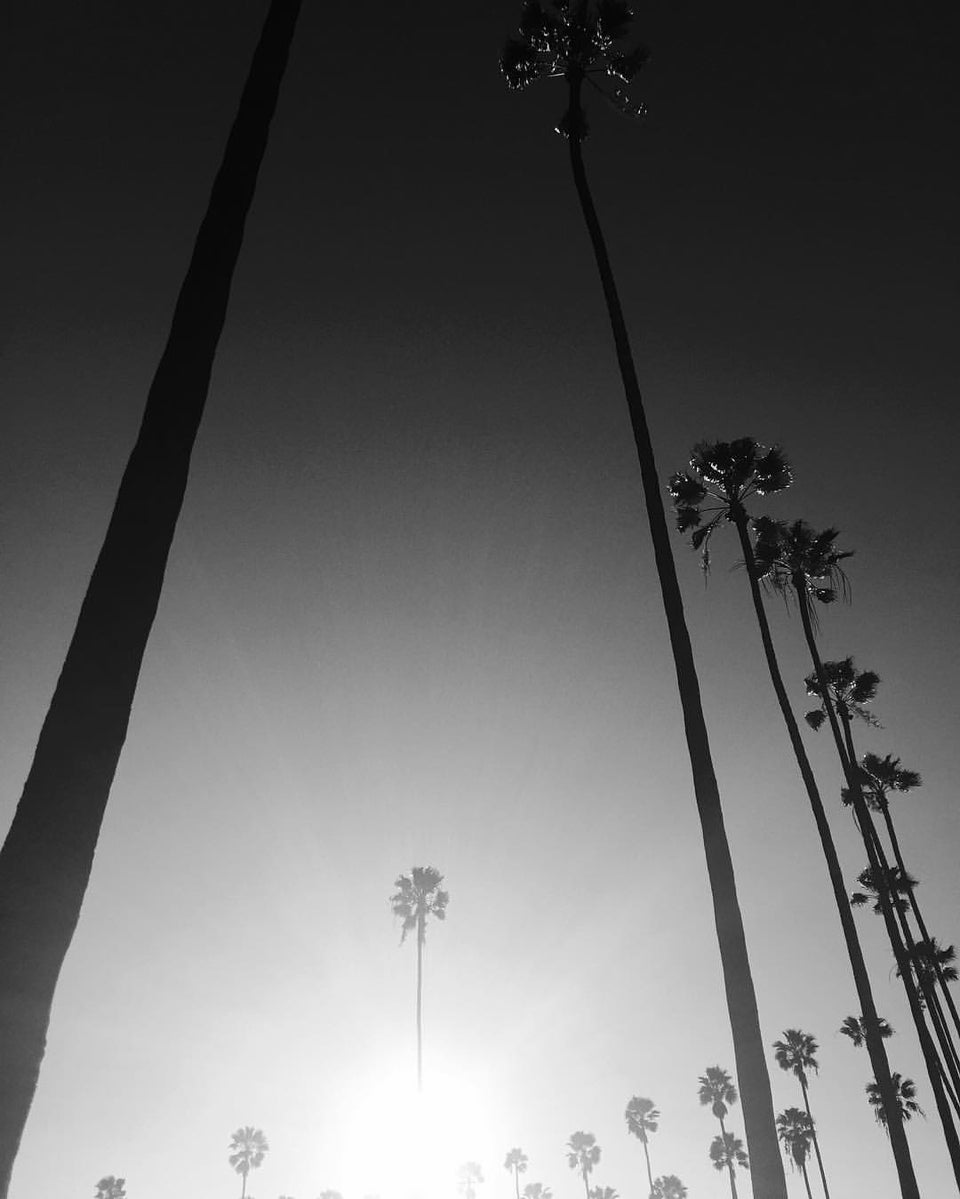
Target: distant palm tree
717,1090
722,477
248,1145
668,1186
469,1176
418,896
642,1117
906,1092
726,1152
583,1153
111,1188
516,1160
854,1028
536,1190
797,1053
578,43
795,1129
49,849
603,1193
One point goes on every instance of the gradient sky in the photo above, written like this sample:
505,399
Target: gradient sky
411,614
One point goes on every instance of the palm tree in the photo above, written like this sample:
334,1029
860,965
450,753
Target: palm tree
578,42
248,1145
469,1176
111,1188
906,1092
668,1186
642,1116
854,1027
795,1129
726,1152
603,1193
721,478
583,1153
46,860
516,1160
717,1090
536,1190
797,1053
418,896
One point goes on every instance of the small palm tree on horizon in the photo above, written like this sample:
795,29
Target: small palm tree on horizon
516,1162
796,1053
583,1153
418,896
248,1145
111,1187
668,1186
642,1118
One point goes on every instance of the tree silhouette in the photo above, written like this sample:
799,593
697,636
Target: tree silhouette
516,1161
583,1153
603,1193
717,1090
418,896
726,1153
46,860
469,1176
111,1188
668,1186
797,1052
579,42
642,1119
248,1146
795,1129
906,1092
854,1028
536,1190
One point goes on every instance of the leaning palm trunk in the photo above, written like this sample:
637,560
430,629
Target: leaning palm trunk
46,861
646,1154
816,1143
733,1180
875,1046
868,831
769,1181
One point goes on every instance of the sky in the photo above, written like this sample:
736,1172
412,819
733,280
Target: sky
411,616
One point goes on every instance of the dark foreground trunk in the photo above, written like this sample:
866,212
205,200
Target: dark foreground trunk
46,860
766,1163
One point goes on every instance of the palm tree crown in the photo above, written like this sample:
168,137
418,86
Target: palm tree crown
726,1151
583,1152
795,1130
516,1161
641,1116
905,1091
898,888
848,689
722,476
249,1146
111,1188
717,1089
797,1052
418,896
880,776
853,1027
603,1193
668,1186
575,41
796,555
536,1190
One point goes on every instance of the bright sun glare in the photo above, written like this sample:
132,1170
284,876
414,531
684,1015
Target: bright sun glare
399,1144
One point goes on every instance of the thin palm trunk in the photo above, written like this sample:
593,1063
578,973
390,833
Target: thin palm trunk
816,1143
646,1154
46,860
806,1180
733,1181
848,758
752,1074
586,1184
516,1179
243,1185
421,935
871,1023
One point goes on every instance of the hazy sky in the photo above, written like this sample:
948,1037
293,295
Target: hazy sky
411,615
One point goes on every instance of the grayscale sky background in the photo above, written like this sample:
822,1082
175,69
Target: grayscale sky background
411,615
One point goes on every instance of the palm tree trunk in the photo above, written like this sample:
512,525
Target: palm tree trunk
46,860
516,1179
868,831
806,1180
243,1185
816,1143
871,1023
646,1154
421,933
768,1175
586,1184
733,1181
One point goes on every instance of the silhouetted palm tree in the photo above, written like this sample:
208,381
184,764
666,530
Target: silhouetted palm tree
578,42
796,1052
516,1160
469,1176
722,477
726,1153
717,1090
111,1188
603,1193
795,1129
583,1153
642,1116
906,1092
536,1190
854,1028
248,1145
418,896
668,1186
48,854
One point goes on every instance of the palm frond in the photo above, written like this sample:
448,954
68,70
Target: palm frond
773,472
626,66
815,718
520,64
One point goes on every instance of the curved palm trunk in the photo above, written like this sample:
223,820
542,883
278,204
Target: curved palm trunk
816,1143
46,860
769,1180
646,1154
421,934
844,743
733,1181
806,1180
871,1023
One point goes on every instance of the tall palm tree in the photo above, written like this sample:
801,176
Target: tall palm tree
717,1090
46,860
516,1160
536,1190
642,1119
726,1153
797,1052
854,1027
722,477
111,1188
668,1186
583,1153
469,1176
578,40
418,896
248,1145
906,1092
795,1129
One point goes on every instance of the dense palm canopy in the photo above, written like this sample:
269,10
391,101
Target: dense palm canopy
111,1188
726,1152
248,1146
418,895
906,1096
722,477
797,1052
717,1090
642,1116
603,1193
848,689
516,1162
536,1190
583,1153
897,889
853,1027
796,555
881,776
795,1130
668,1186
